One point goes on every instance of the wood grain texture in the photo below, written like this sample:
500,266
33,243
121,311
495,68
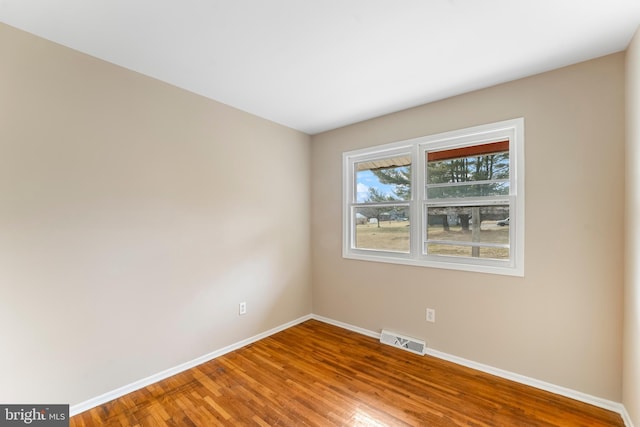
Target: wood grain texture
316,374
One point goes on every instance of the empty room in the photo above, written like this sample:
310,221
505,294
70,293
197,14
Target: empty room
331,213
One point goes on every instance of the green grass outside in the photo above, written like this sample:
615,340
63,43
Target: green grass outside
394,236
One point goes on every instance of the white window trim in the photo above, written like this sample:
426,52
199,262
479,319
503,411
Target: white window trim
512,129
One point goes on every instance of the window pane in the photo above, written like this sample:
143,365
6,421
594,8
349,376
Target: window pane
449,250
468,190
384,228
495,253
467,251
479,225
476,167
383,180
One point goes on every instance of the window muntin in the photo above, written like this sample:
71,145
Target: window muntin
485,179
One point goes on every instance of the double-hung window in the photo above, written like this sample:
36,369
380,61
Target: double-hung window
453,200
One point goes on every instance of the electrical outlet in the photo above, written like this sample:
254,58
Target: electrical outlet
431,315
242,308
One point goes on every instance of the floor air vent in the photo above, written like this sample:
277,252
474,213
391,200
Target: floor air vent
406,343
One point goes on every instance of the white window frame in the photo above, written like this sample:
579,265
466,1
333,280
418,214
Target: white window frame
417,149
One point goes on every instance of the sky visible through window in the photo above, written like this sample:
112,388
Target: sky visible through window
366,179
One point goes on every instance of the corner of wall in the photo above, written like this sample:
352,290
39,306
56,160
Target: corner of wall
631,327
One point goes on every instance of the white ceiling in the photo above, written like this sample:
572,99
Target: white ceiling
315,65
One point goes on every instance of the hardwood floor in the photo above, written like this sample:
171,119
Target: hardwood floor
317,374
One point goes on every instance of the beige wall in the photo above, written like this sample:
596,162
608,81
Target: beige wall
562,322
631,363
134,217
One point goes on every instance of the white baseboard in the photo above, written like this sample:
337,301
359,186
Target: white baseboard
121,391
347,326
562,391
626,417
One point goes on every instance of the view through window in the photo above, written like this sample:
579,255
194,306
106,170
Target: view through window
467,203
382,214
452,200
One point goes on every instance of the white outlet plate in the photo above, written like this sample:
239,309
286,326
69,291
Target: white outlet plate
431,315
242,308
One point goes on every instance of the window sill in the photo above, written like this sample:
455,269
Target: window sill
483,266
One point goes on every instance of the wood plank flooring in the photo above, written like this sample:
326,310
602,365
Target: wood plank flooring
315,374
